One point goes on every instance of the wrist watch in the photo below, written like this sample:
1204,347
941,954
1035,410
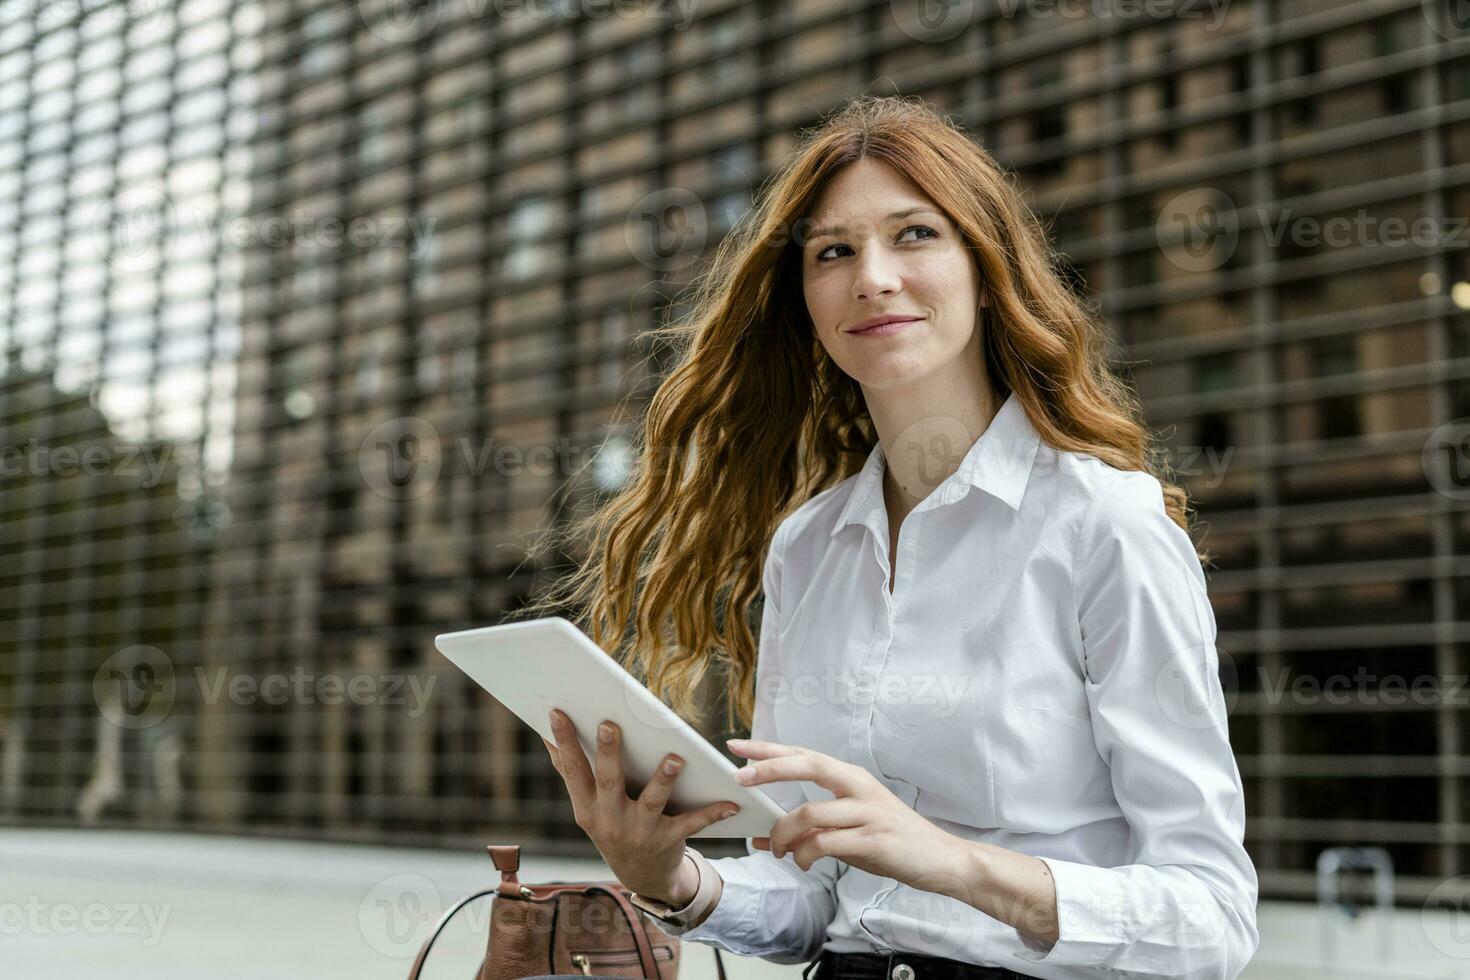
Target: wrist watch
686,916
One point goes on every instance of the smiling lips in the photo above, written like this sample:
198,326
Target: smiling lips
886,325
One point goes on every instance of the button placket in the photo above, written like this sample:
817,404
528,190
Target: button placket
908,545
891,604
870,667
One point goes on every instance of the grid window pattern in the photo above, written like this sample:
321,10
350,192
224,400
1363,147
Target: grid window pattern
341,301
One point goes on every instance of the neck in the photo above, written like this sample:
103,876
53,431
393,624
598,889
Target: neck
927,427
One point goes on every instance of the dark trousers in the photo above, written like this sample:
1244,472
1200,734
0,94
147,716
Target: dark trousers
900,966
868,966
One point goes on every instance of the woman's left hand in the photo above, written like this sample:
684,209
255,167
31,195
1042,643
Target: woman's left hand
865,826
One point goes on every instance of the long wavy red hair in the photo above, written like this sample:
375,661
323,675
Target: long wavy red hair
754,418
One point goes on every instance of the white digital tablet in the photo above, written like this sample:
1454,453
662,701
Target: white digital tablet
536,665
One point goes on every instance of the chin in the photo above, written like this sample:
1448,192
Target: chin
887,373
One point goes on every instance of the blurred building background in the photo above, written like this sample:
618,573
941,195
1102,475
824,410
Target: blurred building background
340,301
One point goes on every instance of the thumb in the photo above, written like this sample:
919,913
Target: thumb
700,819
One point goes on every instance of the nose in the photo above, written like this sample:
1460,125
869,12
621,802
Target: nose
876,275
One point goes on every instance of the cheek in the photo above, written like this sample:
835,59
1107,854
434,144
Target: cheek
947,276
823,304
955,303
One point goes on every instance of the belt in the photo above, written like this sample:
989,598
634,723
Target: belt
902,966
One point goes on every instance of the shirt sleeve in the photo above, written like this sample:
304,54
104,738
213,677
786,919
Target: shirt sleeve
1186,906
770,908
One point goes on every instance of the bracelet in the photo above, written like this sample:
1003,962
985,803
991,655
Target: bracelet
689,856
704,895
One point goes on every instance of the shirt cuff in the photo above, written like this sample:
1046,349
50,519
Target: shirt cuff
704,896
732,924
1091,917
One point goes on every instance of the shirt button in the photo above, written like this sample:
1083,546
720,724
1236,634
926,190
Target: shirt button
902,972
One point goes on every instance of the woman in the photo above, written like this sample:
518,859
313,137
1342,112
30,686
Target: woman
986,688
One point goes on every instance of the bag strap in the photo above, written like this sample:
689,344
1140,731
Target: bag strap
640,936
635,924
418,963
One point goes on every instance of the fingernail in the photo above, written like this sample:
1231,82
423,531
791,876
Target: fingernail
728,814
556,718
671,767
744,775
605,732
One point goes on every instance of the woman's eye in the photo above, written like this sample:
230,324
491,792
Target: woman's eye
910,228
918,228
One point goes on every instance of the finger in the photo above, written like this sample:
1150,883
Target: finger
827,842
655,795
612,792
574,767
757,749
800,840
788,832
686,825
551,751
842,778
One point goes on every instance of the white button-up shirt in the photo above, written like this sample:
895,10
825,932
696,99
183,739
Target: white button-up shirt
1042,677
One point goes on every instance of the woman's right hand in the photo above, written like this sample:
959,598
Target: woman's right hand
642,845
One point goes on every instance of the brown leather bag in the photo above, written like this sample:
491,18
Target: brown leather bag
586,927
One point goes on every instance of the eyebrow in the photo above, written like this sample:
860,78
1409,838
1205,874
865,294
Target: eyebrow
839,229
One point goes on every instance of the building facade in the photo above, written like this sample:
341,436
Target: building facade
377,276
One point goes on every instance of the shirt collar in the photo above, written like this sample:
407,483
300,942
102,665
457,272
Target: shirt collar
999,462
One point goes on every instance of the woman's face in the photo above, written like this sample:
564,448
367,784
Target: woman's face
859,261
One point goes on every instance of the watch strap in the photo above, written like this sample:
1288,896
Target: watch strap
704,896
